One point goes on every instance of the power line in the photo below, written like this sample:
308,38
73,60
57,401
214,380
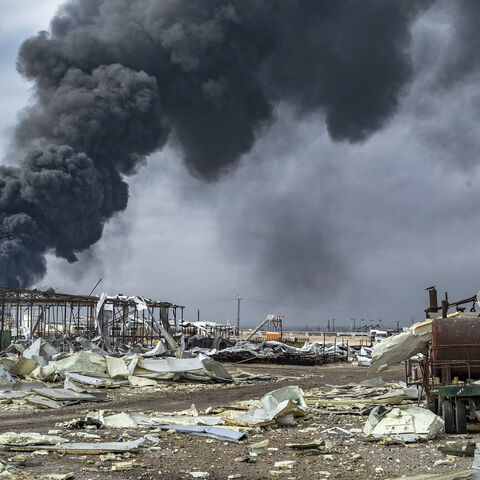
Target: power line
327,309
290,305
211,300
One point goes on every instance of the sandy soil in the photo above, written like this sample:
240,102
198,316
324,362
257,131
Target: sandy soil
179,454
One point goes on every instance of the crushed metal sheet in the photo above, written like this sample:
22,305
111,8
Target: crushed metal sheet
337,432
183,420
83,363
398,348
69,385
283,401
120,420
224,434
371,392
116,367
142,382
5,377
57,476
81,447
93,381
12,395
288,464
134,420
24,366
258,448
44,402
199,474
30,438
122,466
467,450
405,423
440,476
28,386
317,444
62,395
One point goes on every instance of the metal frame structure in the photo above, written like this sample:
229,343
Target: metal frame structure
49,314
275,324
218,331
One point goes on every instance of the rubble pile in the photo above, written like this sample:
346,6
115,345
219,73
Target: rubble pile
281,353
360,398
319,422
337,427
27,374
94,366
116,439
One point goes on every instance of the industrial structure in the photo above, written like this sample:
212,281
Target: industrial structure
117,319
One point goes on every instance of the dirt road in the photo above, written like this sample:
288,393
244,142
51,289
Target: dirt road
180,454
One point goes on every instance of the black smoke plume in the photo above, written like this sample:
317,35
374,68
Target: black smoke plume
114,79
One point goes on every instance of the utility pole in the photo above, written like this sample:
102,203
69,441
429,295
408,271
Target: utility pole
198,314
238,314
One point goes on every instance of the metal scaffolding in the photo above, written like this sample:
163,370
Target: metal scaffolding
190,329
49,314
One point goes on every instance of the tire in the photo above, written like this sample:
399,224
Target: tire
432,405
448,417
460,416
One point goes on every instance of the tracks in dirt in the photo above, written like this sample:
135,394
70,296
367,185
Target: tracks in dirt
141,401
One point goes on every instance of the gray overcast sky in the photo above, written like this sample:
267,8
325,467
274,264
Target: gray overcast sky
344,230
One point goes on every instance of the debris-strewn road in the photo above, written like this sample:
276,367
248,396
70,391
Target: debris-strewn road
179,454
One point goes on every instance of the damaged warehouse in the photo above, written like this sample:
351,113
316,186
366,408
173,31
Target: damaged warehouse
118,320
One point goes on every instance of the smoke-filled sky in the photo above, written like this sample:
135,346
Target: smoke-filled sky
319,158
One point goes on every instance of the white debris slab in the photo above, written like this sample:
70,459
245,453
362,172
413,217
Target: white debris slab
398,348
405,422
117,367
274,405
30,438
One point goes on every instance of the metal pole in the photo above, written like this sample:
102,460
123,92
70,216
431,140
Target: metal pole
96,285
444,308
3,313
238,314
335,349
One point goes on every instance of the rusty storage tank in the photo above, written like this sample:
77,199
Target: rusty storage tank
456,348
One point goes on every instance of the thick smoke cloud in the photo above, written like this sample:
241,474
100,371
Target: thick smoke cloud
115,79
447,68
461,58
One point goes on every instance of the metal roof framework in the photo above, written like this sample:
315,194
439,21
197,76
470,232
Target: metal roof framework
50,314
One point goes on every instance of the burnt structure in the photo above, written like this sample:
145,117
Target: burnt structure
48,314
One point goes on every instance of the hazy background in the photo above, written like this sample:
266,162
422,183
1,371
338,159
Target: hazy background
305,227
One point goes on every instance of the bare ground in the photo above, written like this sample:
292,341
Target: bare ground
180,454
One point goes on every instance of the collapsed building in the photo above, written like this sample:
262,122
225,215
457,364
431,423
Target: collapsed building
119,319
124,325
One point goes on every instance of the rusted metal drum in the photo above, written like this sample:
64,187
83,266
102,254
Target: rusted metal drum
456,348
